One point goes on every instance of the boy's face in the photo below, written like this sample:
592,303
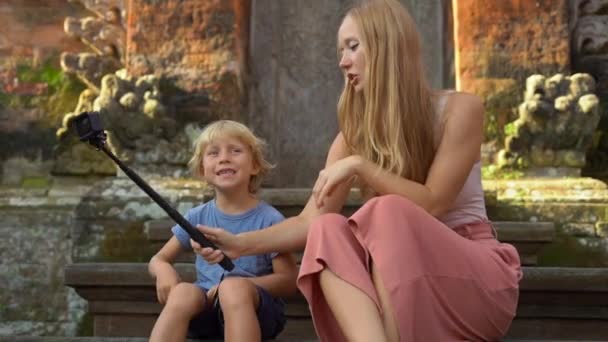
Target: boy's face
228,164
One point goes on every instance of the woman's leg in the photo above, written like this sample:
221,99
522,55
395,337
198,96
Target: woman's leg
355,312
184,302
388,317
441,286
239,300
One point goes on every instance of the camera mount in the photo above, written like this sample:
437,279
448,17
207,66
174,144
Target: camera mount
89,128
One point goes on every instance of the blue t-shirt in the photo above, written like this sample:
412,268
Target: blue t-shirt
262,216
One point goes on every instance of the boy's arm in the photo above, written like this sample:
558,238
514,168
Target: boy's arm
160,267
282,282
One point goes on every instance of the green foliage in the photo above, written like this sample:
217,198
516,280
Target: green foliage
510,129
61,96
46,73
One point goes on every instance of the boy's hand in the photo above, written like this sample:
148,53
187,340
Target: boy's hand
164,283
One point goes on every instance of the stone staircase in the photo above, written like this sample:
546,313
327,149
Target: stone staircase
556,303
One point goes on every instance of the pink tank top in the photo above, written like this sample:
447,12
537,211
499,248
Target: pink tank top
469,205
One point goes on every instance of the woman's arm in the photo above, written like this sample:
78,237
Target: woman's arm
457,152
282,281
286,236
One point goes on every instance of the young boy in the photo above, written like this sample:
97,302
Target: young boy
245,304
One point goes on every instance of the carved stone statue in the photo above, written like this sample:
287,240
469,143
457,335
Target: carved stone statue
556,124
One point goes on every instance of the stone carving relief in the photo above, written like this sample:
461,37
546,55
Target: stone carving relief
589,44
104,34
556,124
140,128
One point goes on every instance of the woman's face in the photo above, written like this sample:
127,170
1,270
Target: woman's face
352,55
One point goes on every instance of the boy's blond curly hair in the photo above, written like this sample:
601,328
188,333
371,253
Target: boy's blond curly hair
228,128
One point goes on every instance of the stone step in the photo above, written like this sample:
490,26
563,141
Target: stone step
107,339
528,237
555,303
144,339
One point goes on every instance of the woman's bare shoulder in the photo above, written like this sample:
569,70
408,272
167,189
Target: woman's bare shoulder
460,97
463,104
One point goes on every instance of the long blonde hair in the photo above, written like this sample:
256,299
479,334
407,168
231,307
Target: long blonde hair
390,123
228,128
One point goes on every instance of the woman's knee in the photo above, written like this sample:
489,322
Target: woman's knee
186,298
237,293
328,224
389,216
393,202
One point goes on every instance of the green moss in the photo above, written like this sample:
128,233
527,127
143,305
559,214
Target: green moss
496,172
500,109
64,99
85,326
569,251
35,182
127,243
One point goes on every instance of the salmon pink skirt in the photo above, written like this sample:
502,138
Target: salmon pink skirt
444,284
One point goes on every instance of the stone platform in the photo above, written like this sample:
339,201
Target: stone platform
73,220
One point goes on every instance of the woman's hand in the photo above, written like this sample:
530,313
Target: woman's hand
339,172
164,283
227,243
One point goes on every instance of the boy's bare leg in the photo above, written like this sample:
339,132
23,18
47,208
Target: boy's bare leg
184,302
354,311
239,300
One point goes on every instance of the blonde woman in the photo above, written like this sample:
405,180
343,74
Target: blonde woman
419,260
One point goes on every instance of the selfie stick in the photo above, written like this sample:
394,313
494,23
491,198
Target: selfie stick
99,142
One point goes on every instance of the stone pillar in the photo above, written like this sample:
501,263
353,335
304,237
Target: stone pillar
296,81
499,44
195,45
589,39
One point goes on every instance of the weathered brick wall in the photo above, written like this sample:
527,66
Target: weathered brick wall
500,43
31,35
196,44
34,29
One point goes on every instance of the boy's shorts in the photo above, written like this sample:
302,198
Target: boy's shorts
210,322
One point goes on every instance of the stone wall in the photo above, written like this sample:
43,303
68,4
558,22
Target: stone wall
72,220
35,246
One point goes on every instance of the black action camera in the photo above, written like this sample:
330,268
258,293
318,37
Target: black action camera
89,128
